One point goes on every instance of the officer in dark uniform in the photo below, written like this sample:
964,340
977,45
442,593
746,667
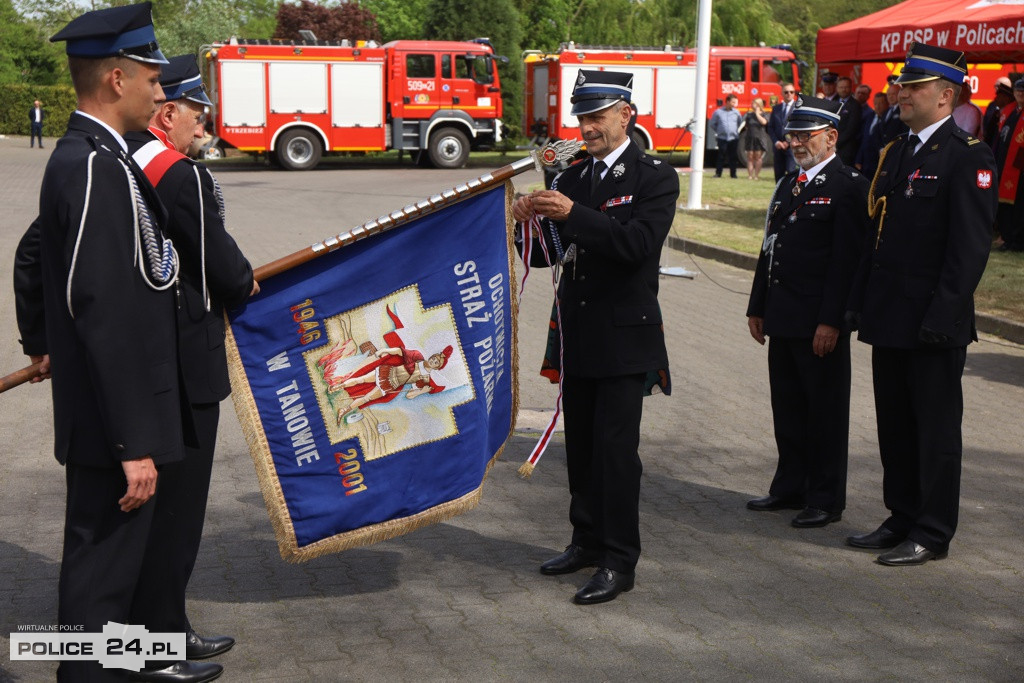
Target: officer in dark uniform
605,220
214,274
100,266
814,234
933,202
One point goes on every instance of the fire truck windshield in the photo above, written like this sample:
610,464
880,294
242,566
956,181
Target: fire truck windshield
776,71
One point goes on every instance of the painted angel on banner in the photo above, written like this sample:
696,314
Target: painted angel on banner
386,376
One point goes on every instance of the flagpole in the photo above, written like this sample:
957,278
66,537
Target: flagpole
548,155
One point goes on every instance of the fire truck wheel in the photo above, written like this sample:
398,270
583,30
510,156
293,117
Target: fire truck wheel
298,150
449,148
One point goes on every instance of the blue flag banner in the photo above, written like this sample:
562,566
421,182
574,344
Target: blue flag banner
377,383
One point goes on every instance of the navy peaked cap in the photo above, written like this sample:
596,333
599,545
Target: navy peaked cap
597,90
812,113
113,32
181,80
928,62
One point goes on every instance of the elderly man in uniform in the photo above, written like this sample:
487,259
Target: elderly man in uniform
214,274
814,232
605,219
119,412
933,202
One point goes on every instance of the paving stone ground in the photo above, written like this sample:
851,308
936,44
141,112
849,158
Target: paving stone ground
722,593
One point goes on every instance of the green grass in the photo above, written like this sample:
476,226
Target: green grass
735,219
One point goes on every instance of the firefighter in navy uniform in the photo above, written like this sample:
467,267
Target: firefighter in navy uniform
214,274
606,219
933,203
816,225
98,264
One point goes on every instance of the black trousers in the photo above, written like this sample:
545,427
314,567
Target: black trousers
919,405
177,531
602,435
102,561
35,132
811,411
726,152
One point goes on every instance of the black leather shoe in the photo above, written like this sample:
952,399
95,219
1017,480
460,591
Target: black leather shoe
604,585
572,560
813,517
771,503
908,553
879,539
198,647
180,672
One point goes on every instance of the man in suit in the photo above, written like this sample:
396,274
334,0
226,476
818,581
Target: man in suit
119,408
214,274
817,220
933,203
782,156
892,125
850,115
35,119
605,219
871,146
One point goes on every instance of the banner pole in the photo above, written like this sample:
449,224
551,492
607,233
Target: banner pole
549,155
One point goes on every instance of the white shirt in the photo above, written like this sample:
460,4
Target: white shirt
927,132
117,136
39,115
610,158
817,169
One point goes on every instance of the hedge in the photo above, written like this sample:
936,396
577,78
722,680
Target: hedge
15,101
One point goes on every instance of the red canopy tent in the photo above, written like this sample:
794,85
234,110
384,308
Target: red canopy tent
987,30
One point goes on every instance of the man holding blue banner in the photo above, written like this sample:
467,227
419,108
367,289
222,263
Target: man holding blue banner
606,220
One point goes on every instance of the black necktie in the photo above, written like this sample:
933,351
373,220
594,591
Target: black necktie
595,177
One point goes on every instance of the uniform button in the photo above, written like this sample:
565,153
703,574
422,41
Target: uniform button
775,281
777,262
583,277
643,317
583,251
876,266
778,245
119,447
583,303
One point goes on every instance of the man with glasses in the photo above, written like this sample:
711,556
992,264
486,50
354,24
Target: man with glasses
815,228
782,156
933,203
214,274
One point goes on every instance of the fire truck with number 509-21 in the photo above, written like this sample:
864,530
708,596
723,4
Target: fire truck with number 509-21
298,101
664,87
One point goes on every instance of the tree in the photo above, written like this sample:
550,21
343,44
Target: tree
347,21
25,54
497,20
399,19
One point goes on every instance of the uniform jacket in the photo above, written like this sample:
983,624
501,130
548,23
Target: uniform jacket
812,249
110,336
849,130
925,257
611,321
197,228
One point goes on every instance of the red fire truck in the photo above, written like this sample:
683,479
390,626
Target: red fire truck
664,85
298,101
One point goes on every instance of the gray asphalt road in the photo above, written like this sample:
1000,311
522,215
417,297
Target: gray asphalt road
722,593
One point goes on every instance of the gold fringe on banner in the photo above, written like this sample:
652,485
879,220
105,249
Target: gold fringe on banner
266,473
